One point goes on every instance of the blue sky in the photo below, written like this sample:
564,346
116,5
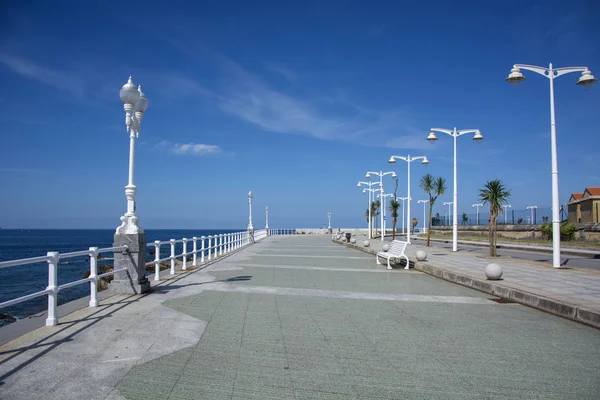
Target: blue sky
295,101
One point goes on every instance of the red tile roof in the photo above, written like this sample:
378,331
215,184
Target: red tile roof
594,191
576,196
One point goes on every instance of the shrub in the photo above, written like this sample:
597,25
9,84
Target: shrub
567,231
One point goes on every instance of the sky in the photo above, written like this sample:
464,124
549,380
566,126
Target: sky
293,100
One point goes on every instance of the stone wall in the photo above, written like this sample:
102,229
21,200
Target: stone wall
586,232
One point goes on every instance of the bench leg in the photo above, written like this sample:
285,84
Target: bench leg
407,263
389,266
377,259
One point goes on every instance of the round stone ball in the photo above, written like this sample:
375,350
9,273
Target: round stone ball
353,240
366,243
344,239
493,271
338,237
364,234
385,247
421,255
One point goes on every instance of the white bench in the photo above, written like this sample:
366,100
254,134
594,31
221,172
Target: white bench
397,249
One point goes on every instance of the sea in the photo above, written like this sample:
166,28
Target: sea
25,243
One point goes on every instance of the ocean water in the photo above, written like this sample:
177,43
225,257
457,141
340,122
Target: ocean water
21,280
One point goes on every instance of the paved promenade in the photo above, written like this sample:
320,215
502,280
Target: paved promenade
301,317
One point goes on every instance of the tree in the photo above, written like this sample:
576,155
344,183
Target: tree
434,187
465,218
495,194
394,207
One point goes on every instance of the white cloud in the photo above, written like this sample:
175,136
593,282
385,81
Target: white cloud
59,80
197,149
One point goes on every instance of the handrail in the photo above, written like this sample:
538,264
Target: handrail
204,249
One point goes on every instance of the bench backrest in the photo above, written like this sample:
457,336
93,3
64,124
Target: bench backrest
397,247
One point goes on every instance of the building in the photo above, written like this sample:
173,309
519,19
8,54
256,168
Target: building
584,208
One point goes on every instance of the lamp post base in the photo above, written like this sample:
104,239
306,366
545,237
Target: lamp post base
132,279
129,225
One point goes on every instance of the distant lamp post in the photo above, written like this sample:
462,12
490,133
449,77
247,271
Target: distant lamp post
267,219
424,213
478,137
477,207
448,203
370,184
383,207
250,227
329,218
381,174
586,80
505,206
403,213
408,160
533,212
135,104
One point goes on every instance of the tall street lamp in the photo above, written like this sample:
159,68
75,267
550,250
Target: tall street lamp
586,80
448,203
250,227
402,198
455,134
477,206
371,196
408,160
383,206
505,206
369,205
424,214
135,104
381,174
533,211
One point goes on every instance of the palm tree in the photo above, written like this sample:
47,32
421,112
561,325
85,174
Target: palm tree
434,187
465,218
394,206
495,194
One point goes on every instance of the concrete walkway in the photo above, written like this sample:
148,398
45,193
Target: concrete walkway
300,317
570,292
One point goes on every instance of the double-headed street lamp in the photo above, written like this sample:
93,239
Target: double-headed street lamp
135,104
369,206
381,174
586,80
448,203
424,214
533,211
477,205
505,206
408,160
402,198
455,134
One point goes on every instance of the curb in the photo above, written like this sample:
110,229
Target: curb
560,308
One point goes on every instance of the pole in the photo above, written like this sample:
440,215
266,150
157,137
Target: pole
555,209
370,217
424,215
408,221
455,207
403,231
380,203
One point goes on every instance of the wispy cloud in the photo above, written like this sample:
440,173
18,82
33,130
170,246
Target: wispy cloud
248,98
196,149
16,170
286,73
58,79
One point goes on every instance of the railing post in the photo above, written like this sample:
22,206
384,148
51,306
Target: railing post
172,241
209,248
157,260
216,246
52,288
220,245
202,250
228,241
195,239
93,277
184,266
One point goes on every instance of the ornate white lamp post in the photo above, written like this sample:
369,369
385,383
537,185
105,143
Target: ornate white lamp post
455,134
250,227
267,219
135,104
586,80
477,206
329,217
505,206
381,174
424,212
408,160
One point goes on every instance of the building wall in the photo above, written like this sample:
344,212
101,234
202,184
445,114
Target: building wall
572,213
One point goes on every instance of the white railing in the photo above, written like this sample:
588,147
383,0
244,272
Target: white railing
273,232
204,249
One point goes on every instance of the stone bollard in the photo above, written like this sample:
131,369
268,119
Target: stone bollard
353,240
493,272
421,255
366,243
385,247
